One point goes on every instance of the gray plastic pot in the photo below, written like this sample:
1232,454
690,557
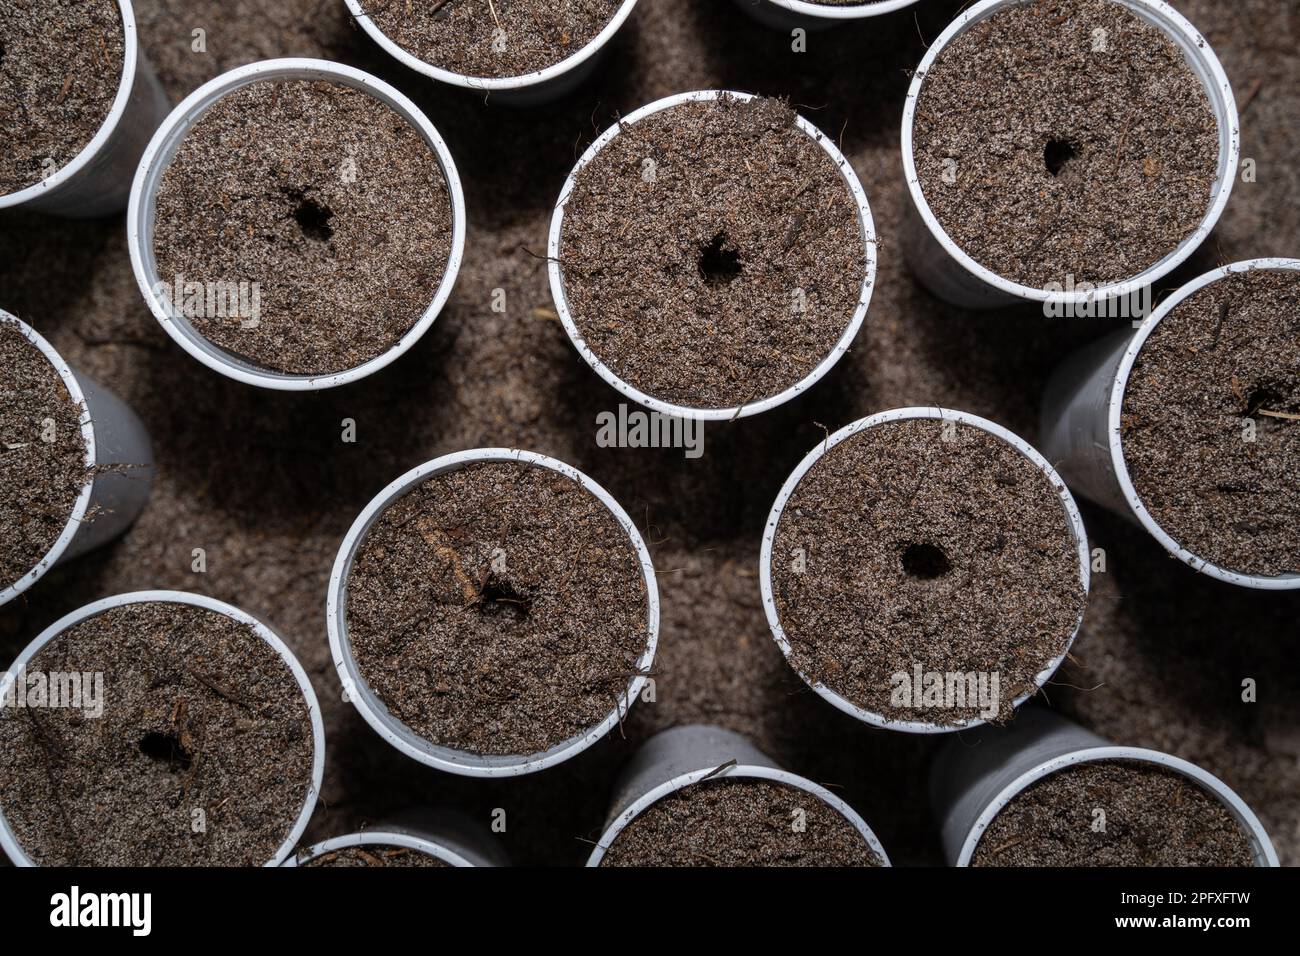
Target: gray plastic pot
9,842
1081,425
119,459
682,756
142,214
954,276
373,710
448,836
801,14
98,179
977,774
529,89
561,299
902,414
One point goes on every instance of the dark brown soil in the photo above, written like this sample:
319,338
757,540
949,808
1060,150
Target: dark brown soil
685,281
348,240
243,477
1153,817
740,823
203,729
1073,161
39,479
482,39
1211,423
373,854
951,554
498,609
60,69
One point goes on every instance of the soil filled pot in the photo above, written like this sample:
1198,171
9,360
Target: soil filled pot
289,267
1190,426
816,14
157,728
493,612
519,53
1100,152
439,840
1046,792
82,104
712,255
924,570
703,796
76,465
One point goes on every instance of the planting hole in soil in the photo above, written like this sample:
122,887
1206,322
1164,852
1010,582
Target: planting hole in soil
511,39
931,545
712,254
184,714
1149,816
61,64
1129,183
497,609
43,465
335,251
739,822
1210,424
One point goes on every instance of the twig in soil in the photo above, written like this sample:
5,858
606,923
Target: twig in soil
217,689
1269,413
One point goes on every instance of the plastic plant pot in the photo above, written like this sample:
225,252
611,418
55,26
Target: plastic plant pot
902,414
952,275
8,841
98,180
801,14
677,758
1081,425
142,212
975,776
452,838
373,710
529,89
846,338
112,497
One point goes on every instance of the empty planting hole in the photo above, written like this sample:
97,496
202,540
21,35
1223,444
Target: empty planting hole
925,561
499,596
719,262
314,219
166,748
1057,153
1262,396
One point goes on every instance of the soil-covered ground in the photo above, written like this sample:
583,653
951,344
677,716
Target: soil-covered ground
265,484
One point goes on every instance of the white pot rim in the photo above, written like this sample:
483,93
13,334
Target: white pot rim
736,771
9,843
487,84
846,12
158,155
372,708
379,838
1113,426
901,414
1217,88
828,361
1264,853
130,56
81,505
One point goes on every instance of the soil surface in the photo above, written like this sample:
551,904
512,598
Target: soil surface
198,753
489,40
1150,817
1211,422
932,546
334,251
60,68
740,823
373,855
1091,153
1162,653
497,609
42,455
712,253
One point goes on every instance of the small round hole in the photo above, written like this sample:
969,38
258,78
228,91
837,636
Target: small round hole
1057,153
499,596
314,219
925,561
719,262
166,748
